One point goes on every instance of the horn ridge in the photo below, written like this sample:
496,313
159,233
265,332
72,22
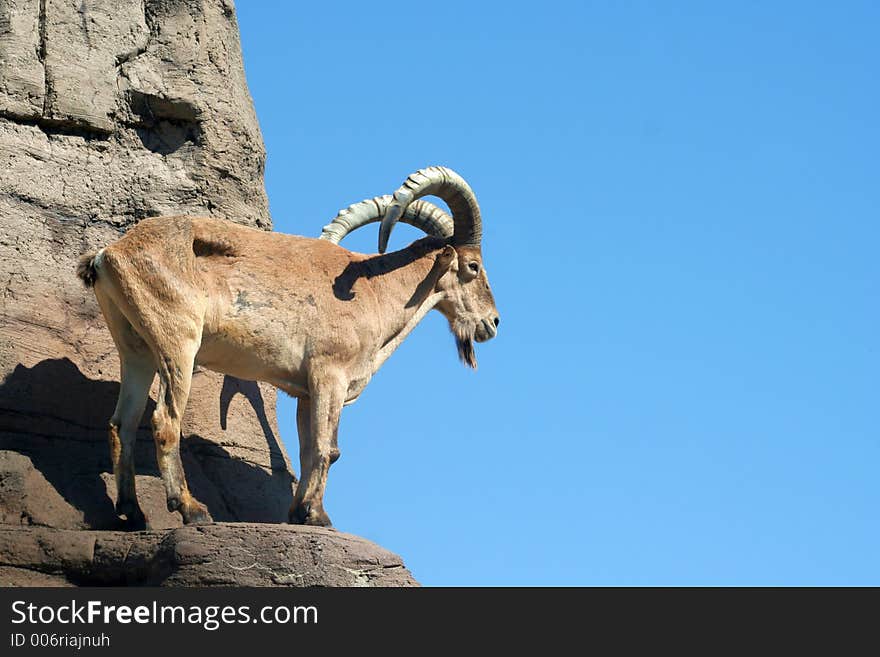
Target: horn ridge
449,186
421,214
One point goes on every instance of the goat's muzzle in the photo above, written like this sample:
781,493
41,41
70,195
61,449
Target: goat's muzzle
487,329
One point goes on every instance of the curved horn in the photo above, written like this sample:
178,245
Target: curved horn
421,214
452,188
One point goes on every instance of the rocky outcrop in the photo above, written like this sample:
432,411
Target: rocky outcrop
112,111
221,554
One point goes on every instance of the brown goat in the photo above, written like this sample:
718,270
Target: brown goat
305,315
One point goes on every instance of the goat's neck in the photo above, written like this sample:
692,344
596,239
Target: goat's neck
408,296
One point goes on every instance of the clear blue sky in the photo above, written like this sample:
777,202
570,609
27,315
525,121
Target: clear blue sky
680,207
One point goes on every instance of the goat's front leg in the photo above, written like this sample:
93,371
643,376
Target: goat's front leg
317,420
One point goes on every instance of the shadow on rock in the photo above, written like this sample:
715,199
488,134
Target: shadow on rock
251,391
246,491
55,418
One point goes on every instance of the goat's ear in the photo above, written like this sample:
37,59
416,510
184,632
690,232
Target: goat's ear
445,259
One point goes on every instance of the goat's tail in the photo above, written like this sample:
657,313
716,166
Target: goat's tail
87,268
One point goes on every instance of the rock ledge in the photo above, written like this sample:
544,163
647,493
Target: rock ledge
220,554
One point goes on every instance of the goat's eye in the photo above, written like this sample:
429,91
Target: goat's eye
474,267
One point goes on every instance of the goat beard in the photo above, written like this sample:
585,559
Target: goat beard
464,342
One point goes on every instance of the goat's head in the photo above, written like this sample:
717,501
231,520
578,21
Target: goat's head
467,301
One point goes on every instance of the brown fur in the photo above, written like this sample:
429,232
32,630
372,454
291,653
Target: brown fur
305,315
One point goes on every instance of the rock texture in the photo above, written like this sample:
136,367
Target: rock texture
112,111
214,555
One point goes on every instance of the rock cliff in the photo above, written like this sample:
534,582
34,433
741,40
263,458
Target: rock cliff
112,111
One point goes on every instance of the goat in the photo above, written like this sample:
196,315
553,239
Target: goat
305,315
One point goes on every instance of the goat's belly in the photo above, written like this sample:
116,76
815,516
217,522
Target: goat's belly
253,361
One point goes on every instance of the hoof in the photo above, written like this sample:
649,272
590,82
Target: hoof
298,514
196,516
135,520
173,503
305,514
135,523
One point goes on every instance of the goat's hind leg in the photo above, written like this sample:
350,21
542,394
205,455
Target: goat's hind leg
137,370
175,377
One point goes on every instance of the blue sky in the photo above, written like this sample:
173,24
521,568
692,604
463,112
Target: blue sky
680,207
